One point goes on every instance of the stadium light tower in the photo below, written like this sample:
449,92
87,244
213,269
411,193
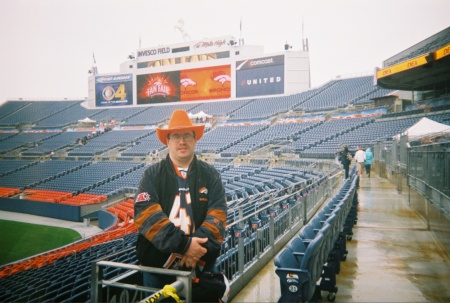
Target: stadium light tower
304,40
241,40
93,69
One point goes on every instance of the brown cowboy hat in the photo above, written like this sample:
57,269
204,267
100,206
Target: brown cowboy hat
179,121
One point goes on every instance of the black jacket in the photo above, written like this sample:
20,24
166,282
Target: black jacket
158,237
344,157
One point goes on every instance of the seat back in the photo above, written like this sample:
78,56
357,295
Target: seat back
292,279
312,262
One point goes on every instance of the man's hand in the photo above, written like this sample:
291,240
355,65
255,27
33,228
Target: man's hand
194,252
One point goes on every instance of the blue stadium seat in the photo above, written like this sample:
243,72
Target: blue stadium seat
298,280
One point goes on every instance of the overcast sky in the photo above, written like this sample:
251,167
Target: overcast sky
47,46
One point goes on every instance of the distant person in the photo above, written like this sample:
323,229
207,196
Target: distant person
360,157
345,157
180,206
368,162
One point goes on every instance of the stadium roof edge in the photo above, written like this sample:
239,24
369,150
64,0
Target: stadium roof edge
437,41
424,72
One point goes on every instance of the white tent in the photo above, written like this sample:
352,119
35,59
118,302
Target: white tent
86,120
201,114
425,127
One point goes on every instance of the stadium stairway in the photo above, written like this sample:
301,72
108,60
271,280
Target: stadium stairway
392,256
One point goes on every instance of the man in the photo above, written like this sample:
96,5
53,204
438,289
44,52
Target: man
180,207
360,157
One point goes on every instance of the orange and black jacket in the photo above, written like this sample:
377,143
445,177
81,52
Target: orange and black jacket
158,236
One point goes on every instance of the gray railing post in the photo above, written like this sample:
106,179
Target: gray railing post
241,256
271,226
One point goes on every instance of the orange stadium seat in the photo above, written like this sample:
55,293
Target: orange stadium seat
46,195
85,199
6,192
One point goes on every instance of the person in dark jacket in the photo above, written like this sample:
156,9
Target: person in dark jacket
345,157
180,206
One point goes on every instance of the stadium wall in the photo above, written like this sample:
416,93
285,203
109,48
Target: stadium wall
433,216
297,72
45,209
106,219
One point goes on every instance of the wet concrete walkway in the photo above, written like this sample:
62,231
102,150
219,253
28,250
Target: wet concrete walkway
392,257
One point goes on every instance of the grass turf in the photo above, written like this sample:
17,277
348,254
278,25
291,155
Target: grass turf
21,240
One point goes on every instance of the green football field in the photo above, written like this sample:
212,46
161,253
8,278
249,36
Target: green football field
21,240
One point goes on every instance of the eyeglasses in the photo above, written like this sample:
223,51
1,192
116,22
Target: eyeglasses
185,137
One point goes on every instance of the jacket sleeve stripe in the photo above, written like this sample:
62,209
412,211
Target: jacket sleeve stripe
214,230
143,216
218,214
156,228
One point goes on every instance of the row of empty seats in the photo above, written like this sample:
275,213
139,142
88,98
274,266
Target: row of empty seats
109,140
6,192
32,112
256,232
305,138
338,95
62,197
310,262
59,141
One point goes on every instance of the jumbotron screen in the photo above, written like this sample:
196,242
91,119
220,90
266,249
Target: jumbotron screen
207,83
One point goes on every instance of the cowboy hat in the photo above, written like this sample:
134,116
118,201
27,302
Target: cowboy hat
179,121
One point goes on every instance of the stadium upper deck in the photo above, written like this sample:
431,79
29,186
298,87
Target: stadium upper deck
423,67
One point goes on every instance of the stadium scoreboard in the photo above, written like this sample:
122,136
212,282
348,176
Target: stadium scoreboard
205,70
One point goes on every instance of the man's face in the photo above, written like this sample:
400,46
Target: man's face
181,145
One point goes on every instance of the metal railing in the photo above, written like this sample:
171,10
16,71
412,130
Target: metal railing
425,167
126,287
252,241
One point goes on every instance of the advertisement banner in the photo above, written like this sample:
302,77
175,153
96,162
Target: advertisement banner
442,52
360,114
116,90
206,83
259,77
158,88
401,67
